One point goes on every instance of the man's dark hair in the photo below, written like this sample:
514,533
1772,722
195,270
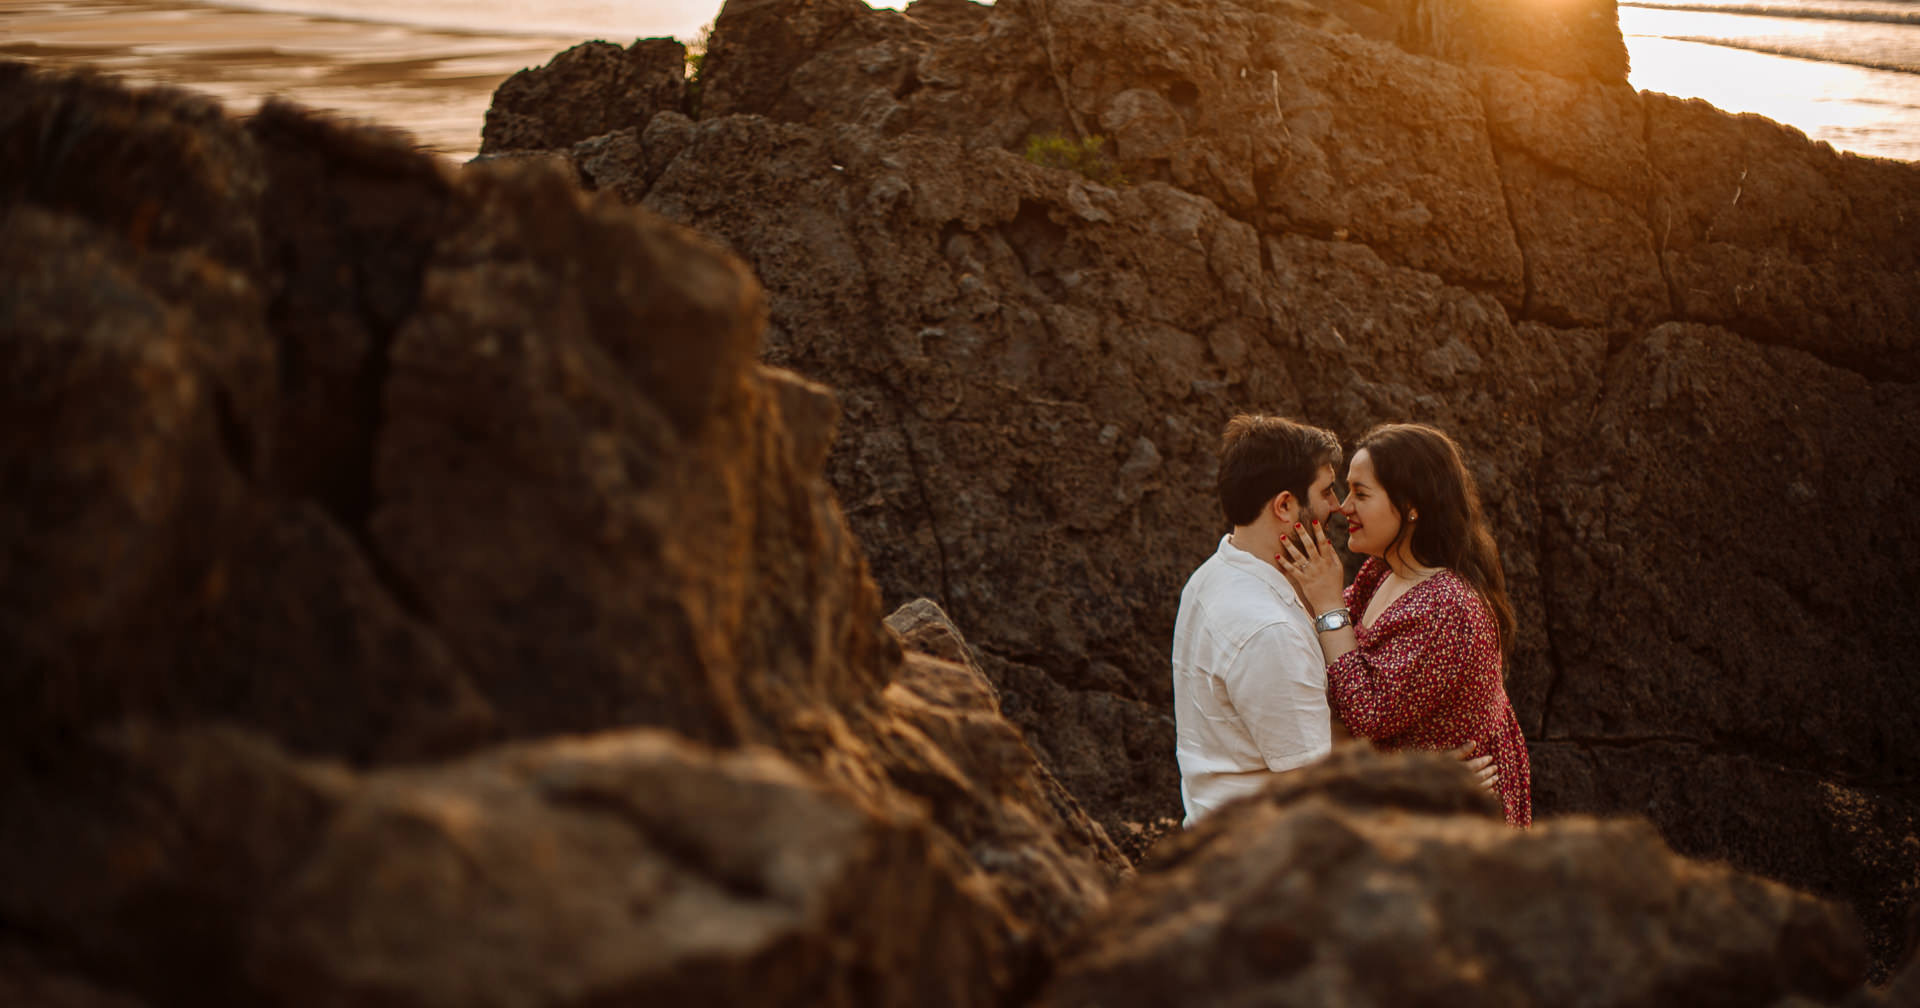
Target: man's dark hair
1260,456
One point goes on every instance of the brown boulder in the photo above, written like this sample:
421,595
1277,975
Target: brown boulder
557,496
593,88
175,489
1836,839
1363,885
634,866
944,740
201,520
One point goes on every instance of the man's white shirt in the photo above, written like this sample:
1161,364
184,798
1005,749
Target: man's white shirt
1249,681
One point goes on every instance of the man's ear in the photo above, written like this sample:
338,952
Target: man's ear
1285,509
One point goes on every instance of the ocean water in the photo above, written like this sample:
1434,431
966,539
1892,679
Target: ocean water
434,82
1843,71
616,20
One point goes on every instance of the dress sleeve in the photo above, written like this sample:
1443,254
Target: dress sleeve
1404,668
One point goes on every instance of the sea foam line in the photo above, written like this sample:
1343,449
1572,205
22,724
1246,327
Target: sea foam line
399,16
1795,52
1868,15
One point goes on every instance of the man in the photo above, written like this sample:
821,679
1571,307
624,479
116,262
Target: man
1249,680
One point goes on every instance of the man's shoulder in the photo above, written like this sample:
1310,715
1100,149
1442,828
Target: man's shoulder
1221,580
1234,601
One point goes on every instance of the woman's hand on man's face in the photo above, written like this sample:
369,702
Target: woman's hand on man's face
1313,567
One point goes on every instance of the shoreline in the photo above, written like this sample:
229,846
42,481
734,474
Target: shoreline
1858,110
436,84
432,84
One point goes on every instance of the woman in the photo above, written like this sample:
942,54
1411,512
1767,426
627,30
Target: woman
1414,646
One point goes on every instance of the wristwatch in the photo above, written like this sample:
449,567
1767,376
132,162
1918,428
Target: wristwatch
1332,619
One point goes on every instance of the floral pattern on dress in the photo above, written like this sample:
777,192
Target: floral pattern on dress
1428,675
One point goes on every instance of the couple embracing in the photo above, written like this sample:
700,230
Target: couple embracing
1276,660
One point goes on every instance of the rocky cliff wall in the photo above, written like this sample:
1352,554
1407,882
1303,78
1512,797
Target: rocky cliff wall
1678,345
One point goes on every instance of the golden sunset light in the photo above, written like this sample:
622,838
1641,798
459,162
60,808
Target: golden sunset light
1030,504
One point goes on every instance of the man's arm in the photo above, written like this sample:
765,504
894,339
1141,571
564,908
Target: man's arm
1278,686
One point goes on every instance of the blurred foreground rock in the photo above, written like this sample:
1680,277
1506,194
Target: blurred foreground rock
621,868
1354,885
416,593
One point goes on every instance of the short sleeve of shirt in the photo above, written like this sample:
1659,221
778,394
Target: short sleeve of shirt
1278,683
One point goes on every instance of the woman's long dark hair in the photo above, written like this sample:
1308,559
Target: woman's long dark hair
1421,471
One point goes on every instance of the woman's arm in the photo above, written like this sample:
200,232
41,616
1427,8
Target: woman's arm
1409,664
1406,670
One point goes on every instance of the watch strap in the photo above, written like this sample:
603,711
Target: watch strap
1333,619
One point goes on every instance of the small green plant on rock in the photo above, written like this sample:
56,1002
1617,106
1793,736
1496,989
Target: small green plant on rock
696,49
1088,156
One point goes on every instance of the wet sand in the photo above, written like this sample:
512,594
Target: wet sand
432,83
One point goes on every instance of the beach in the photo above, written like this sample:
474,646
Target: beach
1843,71
434,83
1840,71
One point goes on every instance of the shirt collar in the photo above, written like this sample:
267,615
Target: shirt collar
1262,569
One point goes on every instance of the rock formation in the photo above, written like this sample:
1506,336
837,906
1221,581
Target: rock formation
434,587
1363,885
591,89
1679,347
417,593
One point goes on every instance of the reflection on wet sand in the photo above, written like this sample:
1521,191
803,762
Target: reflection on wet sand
435,84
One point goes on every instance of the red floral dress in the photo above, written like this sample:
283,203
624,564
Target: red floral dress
1427,675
